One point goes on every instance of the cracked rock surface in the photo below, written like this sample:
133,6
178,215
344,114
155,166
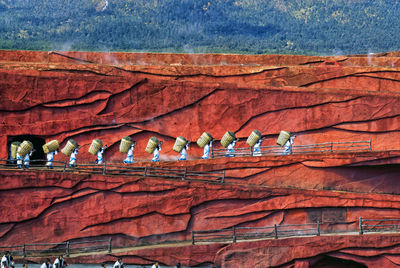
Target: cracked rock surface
89,95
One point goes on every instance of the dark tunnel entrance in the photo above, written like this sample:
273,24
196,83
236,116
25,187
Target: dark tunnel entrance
331,262
37,142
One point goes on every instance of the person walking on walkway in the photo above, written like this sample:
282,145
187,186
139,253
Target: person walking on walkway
129,155
100,153
27,159
50,158
5,260
12,159
207,150
72,158
288,145
118,263
60,262
156,153
257,148
19,160
184,152
231,149
46,264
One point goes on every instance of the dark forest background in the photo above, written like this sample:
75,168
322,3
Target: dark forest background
314,27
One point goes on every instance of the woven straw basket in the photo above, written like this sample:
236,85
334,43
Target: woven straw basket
151,145
254,137
180,142
25,148
95,146
69,147
125,144
51,146
283,137
204,139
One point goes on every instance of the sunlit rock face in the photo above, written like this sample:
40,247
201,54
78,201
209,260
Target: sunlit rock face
52,207
84,96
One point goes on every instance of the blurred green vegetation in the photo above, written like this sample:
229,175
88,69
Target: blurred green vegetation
314,27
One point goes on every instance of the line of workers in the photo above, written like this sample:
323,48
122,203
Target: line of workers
23,162
7,261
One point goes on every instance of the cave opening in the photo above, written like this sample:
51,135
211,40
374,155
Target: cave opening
331,262
37,142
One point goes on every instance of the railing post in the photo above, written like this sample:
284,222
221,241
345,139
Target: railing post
212,152
23,250
192,237
276,231
65,165
318,229
331,147
145,172
104,168
109,245
67,252
184,174
234,235
360,226
370,145
223,177
251,151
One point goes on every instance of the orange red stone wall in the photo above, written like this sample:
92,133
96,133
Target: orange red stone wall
83,96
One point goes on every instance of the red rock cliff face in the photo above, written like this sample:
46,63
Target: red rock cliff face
85,96
108,96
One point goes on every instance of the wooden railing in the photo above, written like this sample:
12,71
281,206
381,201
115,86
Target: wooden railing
378,225
227,235
327,147
121,170
235,234
249,233
63,248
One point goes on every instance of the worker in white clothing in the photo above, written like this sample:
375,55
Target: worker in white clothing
50,158
118,263
257,148
184,152
156,153
155,265
129,155
288,145
27,159
72,158
12,159
207,150
60,262
46,264
100,153
231,149
19,160
5,260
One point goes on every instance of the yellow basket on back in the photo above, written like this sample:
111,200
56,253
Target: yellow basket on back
125,144
151,145
204,139
69,147
25,148
95,146
283,137
254,137
51,146
14,148
180,142
228,138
